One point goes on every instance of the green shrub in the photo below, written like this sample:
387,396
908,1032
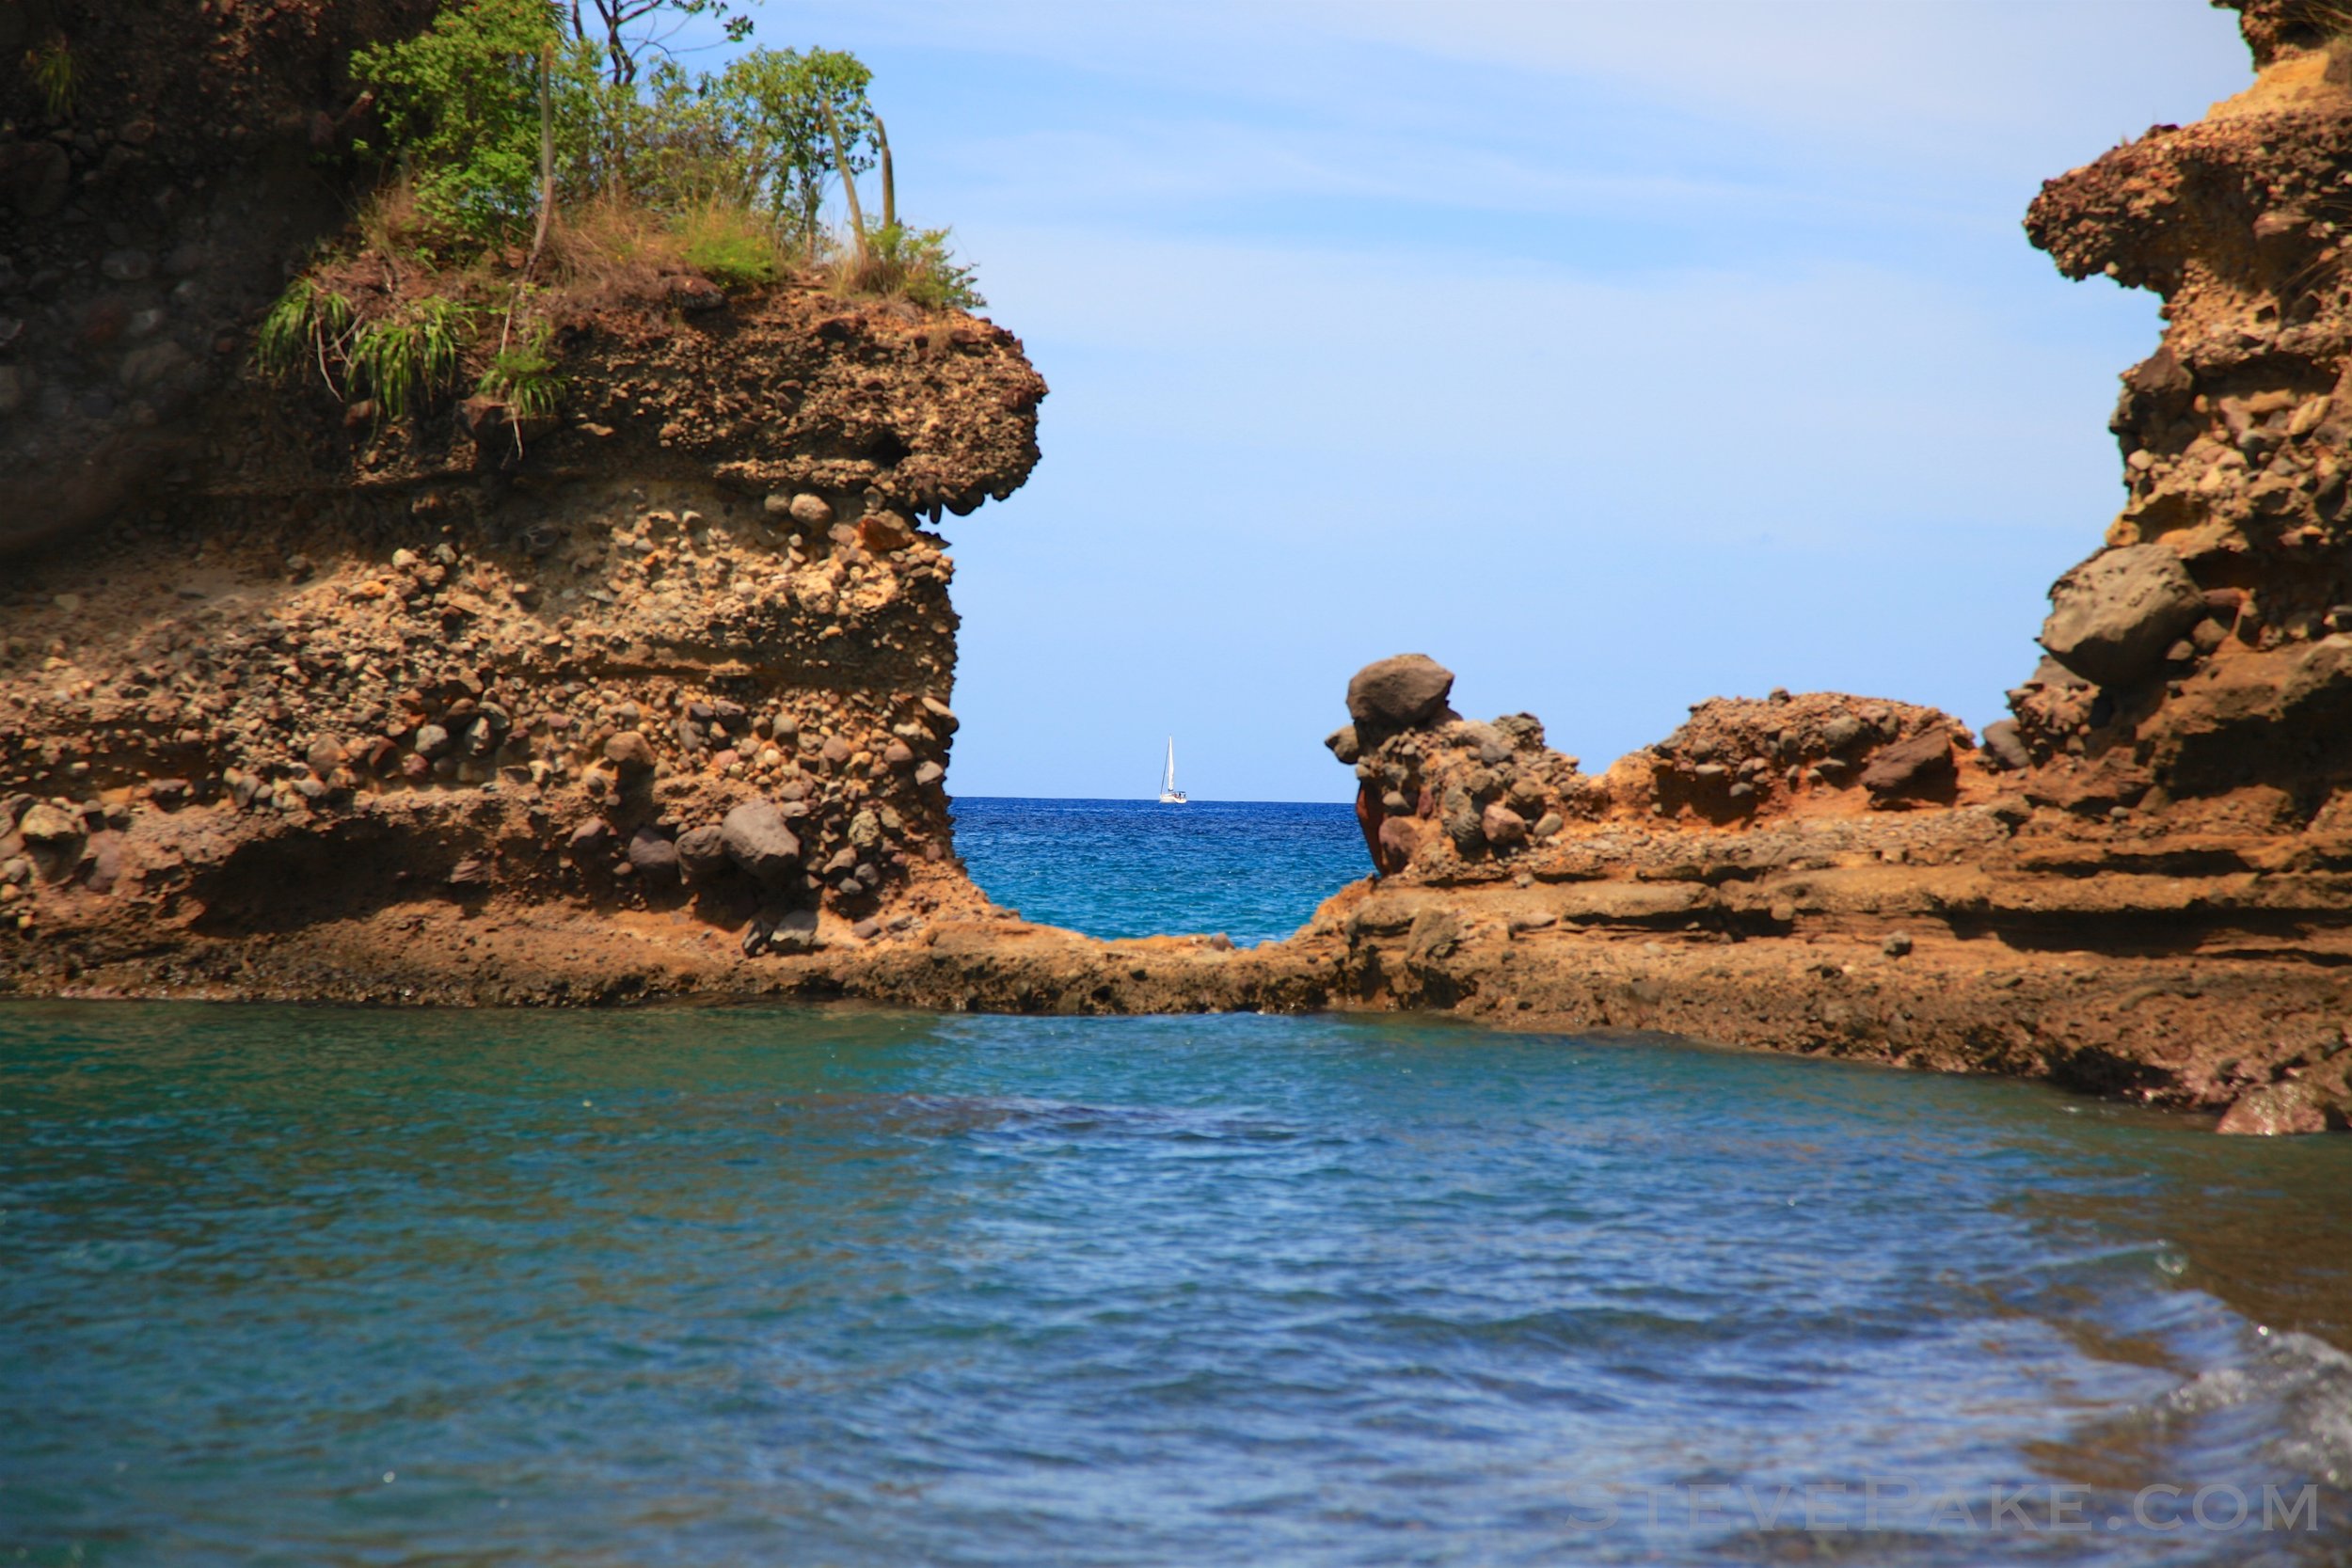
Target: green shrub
406,359
918,264
725,172
460,105
727,244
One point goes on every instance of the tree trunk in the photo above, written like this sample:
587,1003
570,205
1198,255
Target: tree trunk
546,154
848,181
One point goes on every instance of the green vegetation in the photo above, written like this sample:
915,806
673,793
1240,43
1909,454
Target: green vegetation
410,356
50,64
544,159
460,105
917,263
472,104
720,242
523,377
308,325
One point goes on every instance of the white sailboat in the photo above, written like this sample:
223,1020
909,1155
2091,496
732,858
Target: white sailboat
1169,794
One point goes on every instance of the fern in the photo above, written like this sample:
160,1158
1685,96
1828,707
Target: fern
524,378
307,323
51,67
408,358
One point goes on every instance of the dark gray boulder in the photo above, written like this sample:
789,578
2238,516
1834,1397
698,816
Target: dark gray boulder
2005,747
655,858
1401,692
702,853
2112,617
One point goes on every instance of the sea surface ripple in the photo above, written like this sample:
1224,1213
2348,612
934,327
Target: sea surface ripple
320,1287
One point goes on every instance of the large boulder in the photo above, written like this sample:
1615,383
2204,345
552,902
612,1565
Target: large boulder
761,842
654,857
2112,617
1402,692
1915,769
1504,828
2276,1110
702,853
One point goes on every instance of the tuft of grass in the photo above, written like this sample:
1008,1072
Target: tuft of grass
730,245
408,359
523,377
50,64
308,325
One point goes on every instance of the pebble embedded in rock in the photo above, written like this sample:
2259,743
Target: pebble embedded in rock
630,754
1504,828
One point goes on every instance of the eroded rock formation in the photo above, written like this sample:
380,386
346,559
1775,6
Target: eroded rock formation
271,665
324,681
660,709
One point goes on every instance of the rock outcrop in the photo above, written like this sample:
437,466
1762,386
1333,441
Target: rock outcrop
656,704
323,667
321,680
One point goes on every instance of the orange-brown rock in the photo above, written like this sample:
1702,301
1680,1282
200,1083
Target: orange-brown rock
333,718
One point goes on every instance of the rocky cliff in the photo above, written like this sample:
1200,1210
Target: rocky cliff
274,667
655,703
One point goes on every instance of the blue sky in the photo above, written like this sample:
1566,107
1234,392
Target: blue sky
1618,355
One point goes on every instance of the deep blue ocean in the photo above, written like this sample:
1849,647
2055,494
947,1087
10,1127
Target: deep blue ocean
720,1286
1252,869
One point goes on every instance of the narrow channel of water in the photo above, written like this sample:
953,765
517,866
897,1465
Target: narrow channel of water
1252,869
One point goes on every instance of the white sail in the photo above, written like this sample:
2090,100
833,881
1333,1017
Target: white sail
1169,794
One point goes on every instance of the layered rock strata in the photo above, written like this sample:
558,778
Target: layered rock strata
696,659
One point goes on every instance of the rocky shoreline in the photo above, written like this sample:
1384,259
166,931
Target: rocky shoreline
657,706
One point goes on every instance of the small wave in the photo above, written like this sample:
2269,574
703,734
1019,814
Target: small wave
945,1116
2299,1387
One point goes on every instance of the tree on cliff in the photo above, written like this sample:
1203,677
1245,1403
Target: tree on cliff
775,106
462,108
628,29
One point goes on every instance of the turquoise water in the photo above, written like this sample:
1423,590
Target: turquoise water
1252,869
317,1287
